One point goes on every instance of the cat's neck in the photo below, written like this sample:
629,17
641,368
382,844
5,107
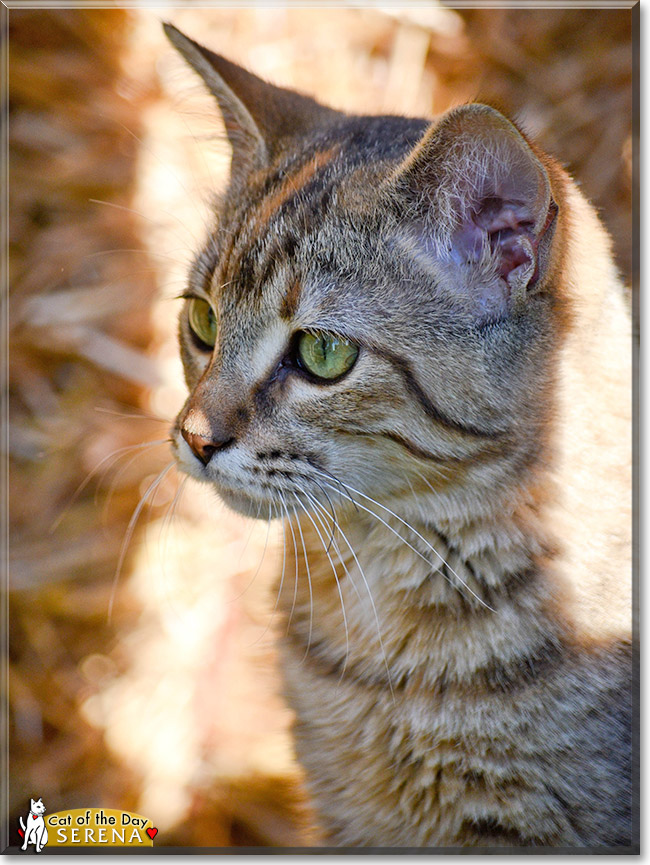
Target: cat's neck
442,600
467,557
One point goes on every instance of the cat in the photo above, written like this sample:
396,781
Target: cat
35,830
409,340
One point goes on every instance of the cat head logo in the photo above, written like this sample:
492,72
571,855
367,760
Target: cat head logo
35,832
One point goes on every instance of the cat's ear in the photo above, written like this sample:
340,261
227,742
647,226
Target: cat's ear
259,117
480,203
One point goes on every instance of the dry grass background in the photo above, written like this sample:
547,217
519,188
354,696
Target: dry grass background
169,706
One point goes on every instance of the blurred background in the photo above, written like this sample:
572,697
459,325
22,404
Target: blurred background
142,673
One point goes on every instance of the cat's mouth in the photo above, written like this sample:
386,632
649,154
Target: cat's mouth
266,485
268,500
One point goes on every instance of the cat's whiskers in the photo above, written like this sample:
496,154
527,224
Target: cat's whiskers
278,510
149,492
311,597
408,481
252,529
318,508
325,473
140,415
332,513
441,472
115,480
170,512
142,271
141,215
266,543
166,523
419,536
418,497
114,456
295,550
443,561
337,526
172,255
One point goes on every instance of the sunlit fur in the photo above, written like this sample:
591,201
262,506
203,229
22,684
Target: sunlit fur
456,574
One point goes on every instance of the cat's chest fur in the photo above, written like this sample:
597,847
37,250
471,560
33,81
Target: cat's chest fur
423,720
409,342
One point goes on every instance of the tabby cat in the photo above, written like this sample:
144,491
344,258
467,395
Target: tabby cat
409,340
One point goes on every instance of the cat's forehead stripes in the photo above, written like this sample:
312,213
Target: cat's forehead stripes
260,232
284,215
290,201
291,185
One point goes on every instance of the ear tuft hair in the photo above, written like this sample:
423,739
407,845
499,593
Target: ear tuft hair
482,201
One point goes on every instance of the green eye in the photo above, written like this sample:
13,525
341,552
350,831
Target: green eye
203,321
325,355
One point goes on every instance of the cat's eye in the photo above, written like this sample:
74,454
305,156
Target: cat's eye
324,355
203,321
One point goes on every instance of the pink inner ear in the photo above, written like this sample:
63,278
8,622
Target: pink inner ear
508,228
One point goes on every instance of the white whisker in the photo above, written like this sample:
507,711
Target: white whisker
416,533
338,586
115,455
132,415
365,581
108,496
278,515
266,542
146,218
150,491
165,527
333,542
252,529
295,550
311,599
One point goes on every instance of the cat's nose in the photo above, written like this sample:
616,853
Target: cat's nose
203,448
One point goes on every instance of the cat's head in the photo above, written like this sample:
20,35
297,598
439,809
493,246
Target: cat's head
37,807
375,309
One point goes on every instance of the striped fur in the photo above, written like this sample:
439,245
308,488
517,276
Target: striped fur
456,581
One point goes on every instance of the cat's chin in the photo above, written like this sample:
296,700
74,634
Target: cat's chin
247,506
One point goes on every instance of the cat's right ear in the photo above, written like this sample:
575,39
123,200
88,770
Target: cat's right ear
259,117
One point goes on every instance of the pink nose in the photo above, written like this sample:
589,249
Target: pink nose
203,448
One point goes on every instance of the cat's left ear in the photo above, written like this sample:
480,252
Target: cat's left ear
481,203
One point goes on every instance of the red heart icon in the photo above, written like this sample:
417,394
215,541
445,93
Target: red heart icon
21,833
152,832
